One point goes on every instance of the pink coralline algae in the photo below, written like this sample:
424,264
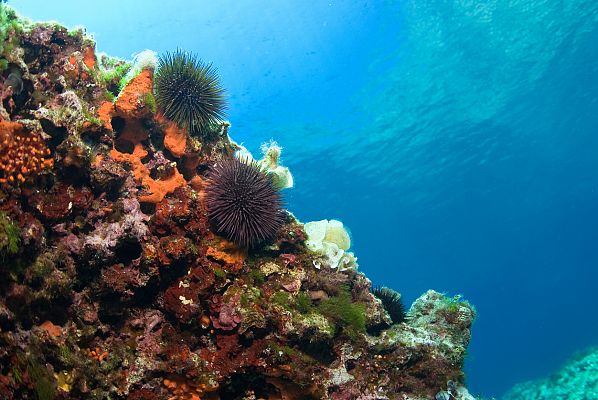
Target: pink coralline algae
228,312
132,227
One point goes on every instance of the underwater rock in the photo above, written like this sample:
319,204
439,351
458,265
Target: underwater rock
115,285
576,380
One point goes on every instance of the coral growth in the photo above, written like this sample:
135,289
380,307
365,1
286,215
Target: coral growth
116,282
23,154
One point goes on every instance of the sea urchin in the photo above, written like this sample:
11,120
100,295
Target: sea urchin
243,204
391,301
188,91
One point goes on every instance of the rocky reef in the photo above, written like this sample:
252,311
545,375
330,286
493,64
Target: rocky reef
576,380
116,286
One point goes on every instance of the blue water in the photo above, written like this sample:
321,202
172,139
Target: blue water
458,140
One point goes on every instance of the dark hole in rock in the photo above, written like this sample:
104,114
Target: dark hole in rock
58,40
350,365
58,133
55,311
237,385
376,330
148,208
148,124
145,295
20,89
128,251
74,175
113,88
202,169
121,144
124,146
90,138
155,173
254,334
118,124
21,99
36,283
320,350
7,321
31,54
58,87
112,311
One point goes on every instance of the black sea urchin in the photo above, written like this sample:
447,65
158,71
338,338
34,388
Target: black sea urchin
391,301
243,204
188,91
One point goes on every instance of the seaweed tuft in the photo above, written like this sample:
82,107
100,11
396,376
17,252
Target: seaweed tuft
10,236
345,313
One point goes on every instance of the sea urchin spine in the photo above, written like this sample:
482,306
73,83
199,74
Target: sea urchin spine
188,91
391,301
243,204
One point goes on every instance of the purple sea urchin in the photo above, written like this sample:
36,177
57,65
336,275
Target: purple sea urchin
243,204
188,91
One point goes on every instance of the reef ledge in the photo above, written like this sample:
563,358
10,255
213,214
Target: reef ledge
114,285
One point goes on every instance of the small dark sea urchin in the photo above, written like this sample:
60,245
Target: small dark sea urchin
188,91
243,204
391,301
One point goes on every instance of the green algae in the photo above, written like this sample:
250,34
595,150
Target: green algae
316,321
10,236
345,313
257,276
42,267
303,303
112,72
219,273
150,101
43,383
109,96
282,299
9,27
